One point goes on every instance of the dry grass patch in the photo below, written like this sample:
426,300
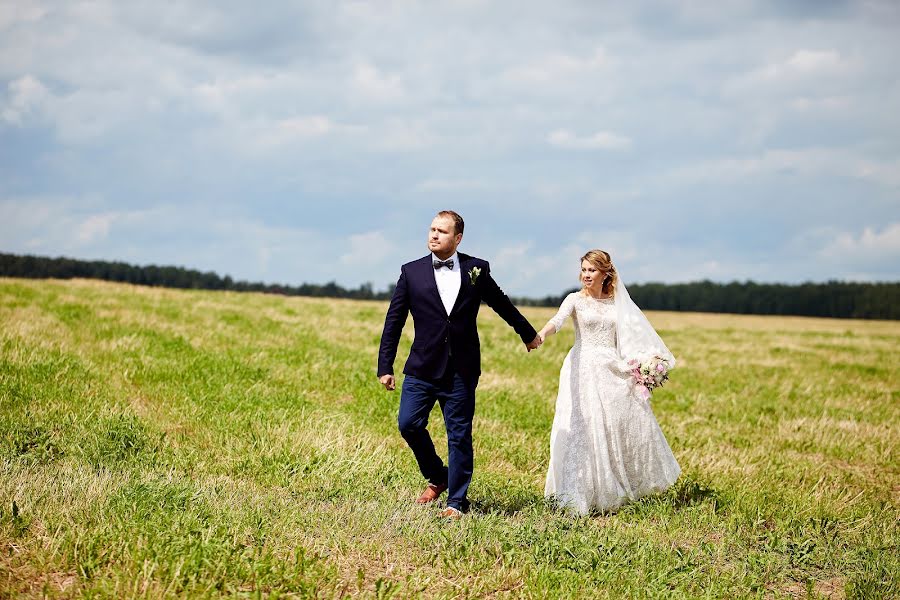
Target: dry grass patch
678,321
491,380
831,588
37,328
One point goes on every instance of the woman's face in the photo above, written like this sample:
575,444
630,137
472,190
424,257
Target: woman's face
592,277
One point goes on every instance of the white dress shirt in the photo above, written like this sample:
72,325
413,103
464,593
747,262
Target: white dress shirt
448,281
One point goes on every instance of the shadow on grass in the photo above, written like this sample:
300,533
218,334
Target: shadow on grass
688,492
685,493
517,501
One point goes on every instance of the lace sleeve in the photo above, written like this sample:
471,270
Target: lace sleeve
565,309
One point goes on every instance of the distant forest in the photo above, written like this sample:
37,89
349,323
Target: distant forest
831,299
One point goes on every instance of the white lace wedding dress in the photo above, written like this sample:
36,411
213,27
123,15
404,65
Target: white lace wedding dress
606,447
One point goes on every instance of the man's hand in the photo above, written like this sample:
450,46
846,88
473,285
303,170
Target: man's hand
388,382
533,344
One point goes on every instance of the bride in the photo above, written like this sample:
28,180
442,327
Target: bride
606,447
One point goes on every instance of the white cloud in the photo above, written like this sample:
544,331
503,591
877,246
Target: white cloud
536,264
22,218
376,86
523,265
451,185
867,253
833,104
602,140
297,129
814,61
94,228
809,162
77,117
173,235
403,135
868,245
307,122
801,69
367,249
817,85
25,97
58,224
306,126
883,172
552,67
20,12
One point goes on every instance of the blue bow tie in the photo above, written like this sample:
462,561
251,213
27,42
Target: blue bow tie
443,263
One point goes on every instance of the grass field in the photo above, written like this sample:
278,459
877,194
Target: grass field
163,443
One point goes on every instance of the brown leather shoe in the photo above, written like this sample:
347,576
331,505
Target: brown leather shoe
431,493
451,513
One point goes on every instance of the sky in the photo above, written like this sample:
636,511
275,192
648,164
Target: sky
292,142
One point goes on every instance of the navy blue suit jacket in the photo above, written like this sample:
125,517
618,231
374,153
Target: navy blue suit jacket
436,333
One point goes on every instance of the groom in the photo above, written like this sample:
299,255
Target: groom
443,291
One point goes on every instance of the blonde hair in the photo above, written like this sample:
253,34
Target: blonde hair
601,260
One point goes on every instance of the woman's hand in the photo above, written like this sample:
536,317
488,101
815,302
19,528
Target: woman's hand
546,332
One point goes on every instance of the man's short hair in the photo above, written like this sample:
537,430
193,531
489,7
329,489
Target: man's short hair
458,223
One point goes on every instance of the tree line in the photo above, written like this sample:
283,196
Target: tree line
840,299
40,267
830,299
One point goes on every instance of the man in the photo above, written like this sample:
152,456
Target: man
443,291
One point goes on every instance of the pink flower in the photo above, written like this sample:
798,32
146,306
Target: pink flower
661,368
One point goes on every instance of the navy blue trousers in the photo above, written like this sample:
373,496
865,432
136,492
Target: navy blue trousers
457,401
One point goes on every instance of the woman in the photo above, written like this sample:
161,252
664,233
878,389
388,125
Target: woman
606,447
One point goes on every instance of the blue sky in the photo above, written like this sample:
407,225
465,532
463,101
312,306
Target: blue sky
314,141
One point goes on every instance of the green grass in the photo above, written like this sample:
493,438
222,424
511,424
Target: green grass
161,443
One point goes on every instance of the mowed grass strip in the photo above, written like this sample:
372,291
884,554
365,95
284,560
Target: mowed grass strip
169,443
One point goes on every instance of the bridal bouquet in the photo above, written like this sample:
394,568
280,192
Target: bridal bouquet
651,373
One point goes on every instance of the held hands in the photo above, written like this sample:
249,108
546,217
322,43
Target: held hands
542,335
388,382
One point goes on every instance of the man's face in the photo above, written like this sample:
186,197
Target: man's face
442,237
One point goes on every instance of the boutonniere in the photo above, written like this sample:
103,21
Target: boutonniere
474,272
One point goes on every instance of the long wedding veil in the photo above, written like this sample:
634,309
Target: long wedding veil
635,336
